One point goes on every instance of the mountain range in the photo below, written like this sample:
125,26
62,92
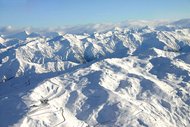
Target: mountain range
135,74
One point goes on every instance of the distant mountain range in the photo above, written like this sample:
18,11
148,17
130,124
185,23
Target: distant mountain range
91,28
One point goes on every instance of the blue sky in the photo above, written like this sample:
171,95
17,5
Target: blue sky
55,13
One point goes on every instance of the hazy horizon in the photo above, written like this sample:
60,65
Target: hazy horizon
95,27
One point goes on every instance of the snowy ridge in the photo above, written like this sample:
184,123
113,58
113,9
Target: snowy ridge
121,77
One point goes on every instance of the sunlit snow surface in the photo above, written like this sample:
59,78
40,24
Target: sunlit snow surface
128,77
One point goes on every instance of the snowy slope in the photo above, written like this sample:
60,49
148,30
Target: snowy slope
122,77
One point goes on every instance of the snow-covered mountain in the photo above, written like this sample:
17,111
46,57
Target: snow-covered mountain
127,76
183,23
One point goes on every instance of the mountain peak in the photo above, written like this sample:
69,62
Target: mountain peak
183,23
20,35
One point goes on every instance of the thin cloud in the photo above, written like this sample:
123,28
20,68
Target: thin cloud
91,28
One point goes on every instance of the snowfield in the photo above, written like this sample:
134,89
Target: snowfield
123,77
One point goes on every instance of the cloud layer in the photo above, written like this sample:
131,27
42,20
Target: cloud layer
90,28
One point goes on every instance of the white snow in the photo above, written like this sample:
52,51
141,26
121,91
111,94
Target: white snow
127,76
